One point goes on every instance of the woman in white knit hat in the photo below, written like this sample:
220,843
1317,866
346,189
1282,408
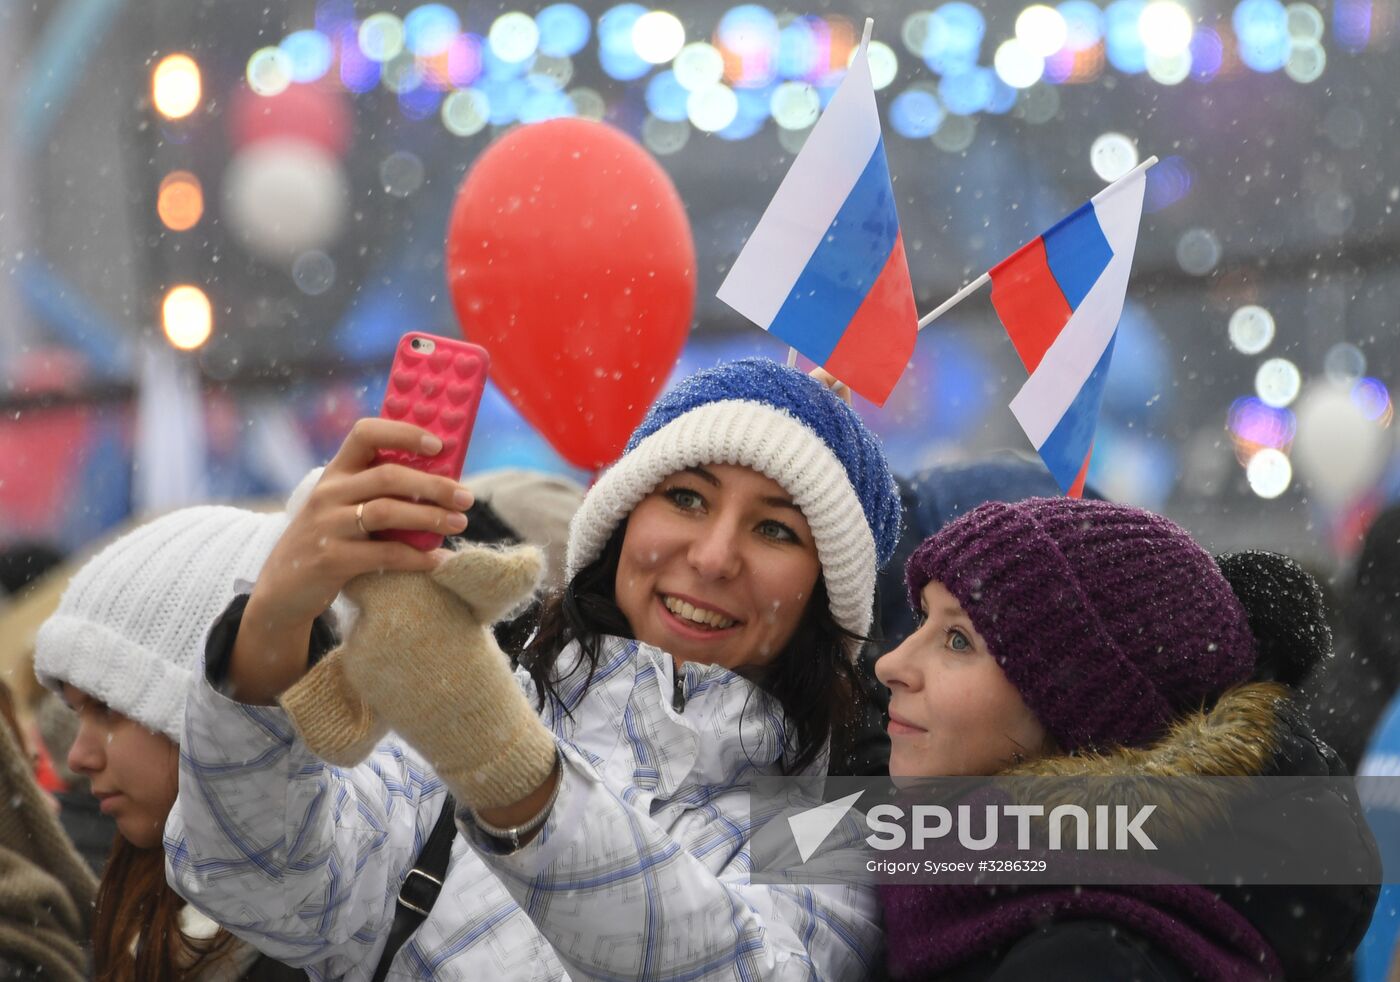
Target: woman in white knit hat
121,650
719,578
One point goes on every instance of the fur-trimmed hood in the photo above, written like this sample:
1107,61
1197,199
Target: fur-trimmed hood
1255,729
1245,734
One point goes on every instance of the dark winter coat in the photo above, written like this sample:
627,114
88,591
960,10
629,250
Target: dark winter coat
1158,932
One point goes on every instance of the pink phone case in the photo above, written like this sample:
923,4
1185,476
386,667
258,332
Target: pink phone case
439,391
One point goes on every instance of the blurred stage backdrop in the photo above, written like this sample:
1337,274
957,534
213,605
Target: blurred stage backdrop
217,218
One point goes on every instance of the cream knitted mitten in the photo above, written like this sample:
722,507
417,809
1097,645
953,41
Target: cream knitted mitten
422,660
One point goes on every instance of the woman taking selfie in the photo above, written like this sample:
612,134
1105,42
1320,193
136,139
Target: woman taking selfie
719,577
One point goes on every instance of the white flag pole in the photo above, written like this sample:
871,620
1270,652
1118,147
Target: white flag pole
954,300
982,280
864,44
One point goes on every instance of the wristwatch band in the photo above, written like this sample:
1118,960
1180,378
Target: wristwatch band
515,833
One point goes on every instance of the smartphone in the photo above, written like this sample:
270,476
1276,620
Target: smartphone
435,383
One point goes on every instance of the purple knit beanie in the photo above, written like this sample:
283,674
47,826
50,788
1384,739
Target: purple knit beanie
1109,620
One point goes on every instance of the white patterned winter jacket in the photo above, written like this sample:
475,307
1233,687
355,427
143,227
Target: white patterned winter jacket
640,872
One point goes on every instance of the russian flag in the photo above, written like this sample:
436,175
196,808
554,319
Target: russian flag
1059,298
824,268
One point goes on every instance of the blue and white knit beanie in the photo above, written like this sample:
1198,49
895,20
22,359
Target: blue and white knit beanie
787,426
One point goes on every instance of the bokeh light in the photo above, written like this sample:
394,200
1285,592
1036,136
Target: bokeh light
884,64
1269,473
749,37
914,31
1042,30
588,103
401,73
1168,181
1112,155
804,49
1198,251
429,29
1261,27
699,66
175,86
186,317
1170,69
956,134
666,97
313,272
1373,399
542,104
1166,28
1207,54
616,54
464,60
796,105
1306,61
514,36
1251,329
466,112
1017,64
1304,21
1123,36
664,138
1351,23
180,201
658,36
381,37
916,114
1344,363
1278,382
269,71
1253,426
954,38
968,93
420,102
357,72
713,108
309,54
1083,24
564,29
550,74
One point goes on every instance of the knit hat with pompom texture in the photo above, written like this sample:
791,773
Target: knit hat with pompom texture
1109,620
130,629
787,426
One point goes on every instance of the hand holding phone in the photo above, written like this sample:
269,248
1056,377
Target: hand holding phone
435,383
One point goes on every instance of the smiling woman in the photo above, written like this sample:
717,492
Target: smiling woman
716,567
719,579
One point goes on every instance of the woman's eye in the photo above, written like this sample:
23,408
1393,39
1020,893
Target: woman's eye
685,499
958,641
776,531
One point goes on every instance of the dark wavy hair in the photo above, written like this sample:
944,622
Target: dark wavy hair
812,678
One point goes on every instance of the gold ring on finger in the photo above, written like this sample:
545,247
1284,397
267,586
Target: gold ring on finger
360,518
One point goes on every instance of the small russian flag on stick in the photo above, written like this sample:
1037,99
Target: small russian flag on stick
824,268
1060,297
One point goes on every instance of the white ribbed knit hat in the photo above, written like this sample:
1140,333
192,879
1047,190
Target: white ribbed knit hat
131,626
791,428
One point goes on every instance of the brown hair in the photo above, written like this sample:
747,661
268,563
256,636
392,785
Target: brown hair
136,934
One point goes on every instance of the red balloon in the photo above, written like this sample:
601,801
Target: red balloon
570,258
314,113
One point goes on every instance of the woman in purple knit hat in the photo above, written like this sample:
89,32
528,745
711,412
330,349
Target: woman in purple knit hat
1080,638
